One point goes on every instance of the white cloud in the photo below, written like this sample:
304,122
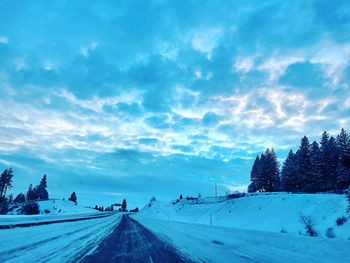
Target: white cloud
3,40
334,58
277,65
206,41
243,64
85,50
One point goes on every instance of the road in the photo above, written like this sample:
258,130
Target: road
131,242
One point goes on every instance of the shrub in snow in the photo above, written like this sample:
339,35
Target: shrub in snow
73,198
341,220
30,208
134,210
235,195
153,199
283,230
330,232
46,211
308,224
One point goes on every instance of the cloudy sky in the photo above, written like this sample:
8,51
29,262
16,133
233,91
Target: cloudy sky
134,99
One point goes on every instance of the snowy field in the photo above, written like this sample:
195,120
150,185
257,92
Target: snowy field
275,213
61,242
226,244
59,210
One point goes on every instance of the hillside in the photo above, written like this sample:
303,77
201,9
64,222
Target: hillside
57,207
274,212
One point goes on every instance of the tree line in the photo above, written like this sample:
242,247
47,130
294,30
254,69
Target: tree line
38,192
314,167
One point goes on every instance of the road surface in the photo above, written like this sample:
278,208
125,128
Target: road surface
131,242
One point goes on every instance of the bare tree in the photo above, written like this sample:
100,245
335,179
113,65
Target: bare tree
308,224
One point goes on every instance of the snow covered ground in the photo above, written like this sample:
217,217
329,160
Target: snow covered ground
226,244
275,213
246,229
54,206
59,210
63,242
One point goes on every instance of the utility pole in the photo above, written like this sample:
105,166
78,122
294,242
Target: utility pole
216,190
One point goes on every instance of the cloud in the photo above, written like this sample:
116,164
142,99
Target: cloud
3,40
137,98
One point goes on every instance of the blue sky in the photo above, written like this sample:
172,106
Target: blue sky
134,99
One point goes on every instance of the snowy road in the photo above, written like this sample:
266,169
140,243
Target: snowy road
55,242
131,242
119,238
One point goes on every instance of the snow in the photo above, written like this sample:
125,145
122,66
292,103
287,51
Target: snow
55,242
56,206
258,211
227,244
59,210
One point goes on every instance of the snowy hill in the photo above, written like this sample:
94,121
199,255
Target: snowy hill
275,212
58,207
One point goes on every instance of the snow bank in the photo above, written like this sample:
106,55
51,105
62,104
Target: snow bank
57,207
226,244
276,213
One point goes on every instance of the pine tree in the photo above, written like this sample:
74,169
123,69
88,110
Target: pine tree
273,181
11,199
303,164
261,176
41,189
343,168
180,196
73,198
268,172
20,198
324,161
312,184
289,173
124,206
254,173
332,164
4,206
5,182
30,193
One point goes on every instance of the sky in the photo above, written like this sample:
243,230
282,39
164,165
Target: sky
135,99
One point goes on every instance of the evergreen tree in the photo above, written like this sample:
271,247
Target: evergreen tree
260,181
180,196
73,198
343,169
11,199
312,183
5,182
332,164
4,206
124,206
42,193
20,198
30,193
324,161
254,173
303,164
267,179
289,173
272,172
